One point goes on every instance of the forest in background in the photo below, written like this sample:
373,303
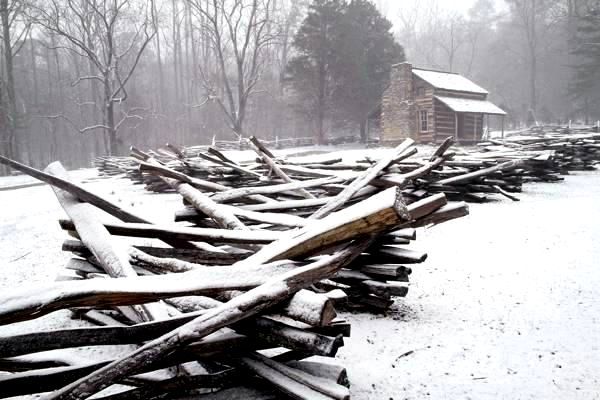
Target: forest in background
82,78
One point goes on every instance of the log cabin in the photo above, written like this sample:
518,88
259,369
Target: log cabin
428,106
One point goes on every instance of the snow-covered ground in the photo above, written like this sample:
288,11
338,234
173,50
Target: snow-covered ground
507,306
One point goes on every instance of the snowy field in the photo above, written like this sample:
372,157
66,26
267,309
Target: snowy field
507,306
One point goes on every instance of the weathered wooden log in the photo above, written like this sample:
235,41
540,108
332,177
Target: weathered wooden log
369,301
443,214
446,144
31,362
177,232
44,380
390,271
399,254
230,164
112,256
273,189
302,307
327,370
286,205
385,289
294,382
239,308
426,206
381,212
191,214
161,170
16,345
225,218
407,233
268,159
362,181
266,330
482,172
278,334
196,256
85,195
176,386
21,304
305,306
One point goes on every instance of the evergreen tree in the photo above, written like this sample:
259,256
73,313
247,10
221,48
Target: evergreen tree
310,71
367,50
585,85
344,53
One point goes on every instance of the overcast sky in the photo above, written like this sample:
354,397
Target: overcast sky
390,7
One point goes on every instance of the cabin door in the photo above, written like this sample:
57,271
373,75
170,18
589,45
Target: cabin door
460,125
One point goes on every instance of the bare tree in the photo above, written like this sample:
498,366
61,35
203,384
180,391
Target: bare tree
15,28
530,16
238,32
112,35
451,38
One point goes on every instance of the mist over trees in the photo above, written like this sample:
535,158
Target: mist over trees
537,55
82,78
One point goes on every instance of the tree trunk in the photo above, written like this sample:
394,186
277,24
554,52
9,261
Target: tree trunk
109,119
363,131
34,73
11,114
321,105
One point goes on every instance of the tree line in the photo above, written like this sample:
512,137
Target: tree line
82,78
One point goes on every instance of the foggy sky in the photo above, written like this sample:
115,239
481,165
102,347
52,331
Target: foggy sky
390,7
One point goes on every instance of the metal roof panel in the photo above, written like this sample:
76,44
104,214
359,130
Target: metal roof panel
470,105
448,81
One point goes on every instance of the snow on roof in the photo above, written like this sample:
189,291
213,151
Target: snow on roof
471,106
448,81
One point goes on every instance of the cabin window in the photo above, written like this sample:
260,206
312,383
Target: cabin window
423,120
420,91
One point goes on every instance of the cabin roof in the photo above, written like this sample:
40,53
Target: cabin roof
448,81
471,106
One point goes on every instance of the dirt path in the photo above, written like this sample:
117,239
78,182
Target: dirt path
506,307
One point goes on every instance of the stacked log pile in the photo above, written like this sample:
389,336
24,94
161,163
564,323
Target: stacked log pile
239,300
573,149
471,175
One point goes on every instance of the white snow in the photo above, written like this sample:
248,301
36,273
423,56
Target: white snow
470,105
507,305
448,81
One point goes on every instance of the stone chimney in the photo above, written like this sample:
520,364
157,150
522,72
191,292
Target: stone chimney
398,111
